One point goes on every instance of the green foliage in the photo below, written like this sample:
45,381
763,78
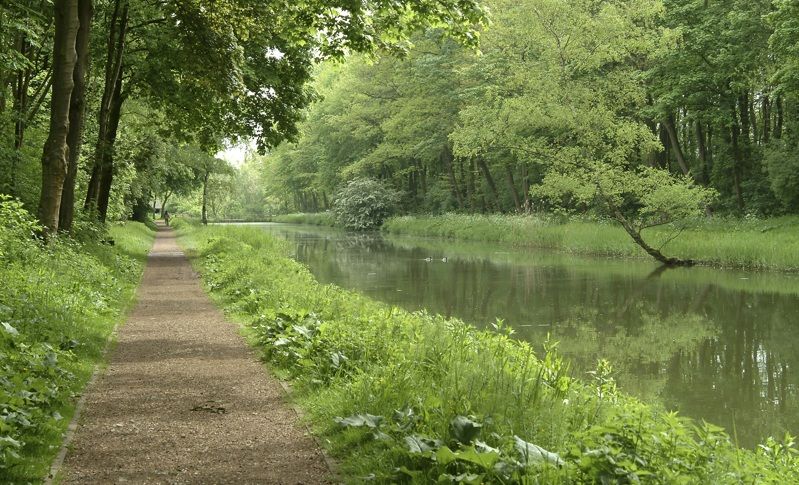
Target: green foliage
753,243
314,219
415,398
364,204
58,304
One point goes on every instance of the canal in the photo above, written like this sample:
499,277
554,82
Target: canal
718,345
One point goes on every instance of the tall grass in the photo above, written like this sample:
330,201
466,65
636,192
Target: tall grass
58,305
415,398
312,218
771,244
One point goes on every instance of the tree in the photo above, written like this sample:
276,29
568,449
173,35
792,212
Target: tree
54,158
636,199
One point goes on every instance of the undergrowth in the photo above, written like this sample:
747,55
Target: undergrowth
58,304
312,218
768,244
416,398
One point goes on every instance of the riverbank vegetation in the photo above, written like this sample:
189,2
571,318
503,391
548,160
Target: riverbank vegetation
58,305
647,112
765,244
440,401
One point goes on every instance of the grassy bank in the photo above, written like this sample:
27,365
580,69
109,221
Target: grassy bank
314,219
410,397
771,244
58,305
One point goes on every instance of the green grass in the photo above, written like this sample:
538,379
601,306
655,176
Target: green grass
315,218
415,398
770,244
58,306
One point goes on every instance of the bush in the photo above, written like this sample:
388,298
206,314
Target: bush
364,204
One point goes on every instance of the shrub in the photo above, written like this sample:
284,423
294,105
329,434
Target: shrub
364,204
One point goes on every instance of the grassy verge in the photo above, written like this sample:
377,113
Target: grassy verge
415,398
315,219
58,306
771,244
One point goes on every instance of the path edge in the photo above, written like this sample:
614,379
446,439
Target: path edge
99,369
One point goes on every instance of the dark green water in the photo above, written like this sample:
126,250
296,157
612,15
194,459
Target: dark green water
712,344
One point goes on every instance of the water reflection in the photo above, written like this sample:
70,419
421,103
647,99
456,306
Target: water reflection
716,345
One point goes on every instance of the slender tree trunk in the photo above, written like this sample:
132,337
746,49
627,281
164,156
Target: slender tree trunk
490,181
77,110
675,143
734,133
54,158
778,119
113,71
470,189
766,133
204,213
526,189
512,187
701,148
663,157
107,167
447,159
746,127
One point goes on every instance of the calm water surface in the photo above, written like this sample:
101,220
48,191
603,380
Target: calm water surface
712,344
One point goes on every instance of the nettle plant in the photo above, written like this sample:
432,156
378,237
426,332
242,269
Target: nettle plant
364,204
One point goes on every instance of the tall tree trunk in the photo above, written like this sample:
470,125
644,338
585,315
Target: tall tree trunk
446,160
77,110
54,158
736,156
107,167
512,187
490,181
664,156
766,133
204,213
675,143
746,126
701,148
470,189
526,189
778,119
113,71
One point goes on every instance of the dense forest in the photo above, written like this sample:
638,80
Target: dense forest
558,93
157,88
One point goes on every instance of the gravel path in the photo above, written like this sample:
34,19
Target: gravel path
184,399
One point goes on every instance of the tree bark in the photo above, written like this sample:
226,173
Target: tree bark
447,159
778,119
766,133
490,181
746,127
512,187
54,158
734,133
204,213
107,167
675,143
701,147
113,72
77,110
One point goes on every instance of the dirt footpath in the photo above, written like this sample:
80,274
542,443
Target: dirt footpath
184,400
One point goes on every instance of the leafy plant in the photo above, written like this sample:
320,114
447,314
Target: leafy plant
364,204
